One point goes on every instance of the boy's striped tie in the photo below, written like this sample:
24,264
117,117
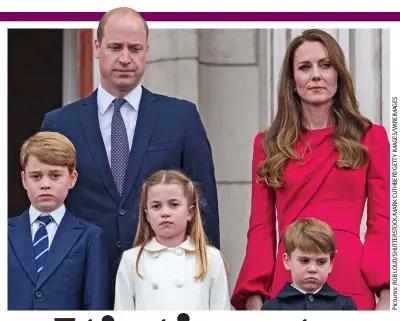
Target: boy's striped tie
41,242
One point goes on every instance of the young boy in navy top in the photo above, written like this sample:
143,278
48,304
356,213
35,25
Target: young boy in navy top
310,250
55,260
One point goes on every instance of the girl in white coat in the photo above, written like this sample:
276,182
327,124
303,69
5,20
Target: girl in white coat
171,266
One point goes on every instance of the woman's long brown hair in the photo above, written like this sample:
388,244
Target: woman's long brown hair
349,125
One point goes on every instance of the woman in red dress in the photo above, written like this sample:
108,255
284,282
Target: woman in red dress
320,158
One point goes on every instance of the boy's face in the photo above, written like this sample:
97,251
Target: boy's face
47,185
309,269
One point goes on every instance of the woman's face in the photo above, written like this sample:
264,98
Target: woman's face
315,78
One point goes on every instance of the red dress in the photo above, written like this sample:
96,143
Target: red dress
316,188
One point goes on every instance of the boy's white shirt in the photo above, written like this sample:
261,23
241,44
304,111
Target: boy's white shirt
168,279
52,227
304,292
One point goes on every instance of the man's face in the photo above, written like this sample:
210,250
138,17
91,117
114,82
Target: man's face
122,53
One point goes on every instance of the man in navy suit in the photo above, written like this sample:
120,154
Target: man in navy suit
123,133
55,261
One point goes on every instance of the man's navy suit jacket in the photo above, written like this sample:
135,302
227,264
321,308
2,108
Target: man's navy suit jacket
169,134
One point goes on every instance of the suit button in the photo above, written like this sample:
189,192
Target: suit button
178,251
118,244
38,294
310,298
155,286
178,283
121,212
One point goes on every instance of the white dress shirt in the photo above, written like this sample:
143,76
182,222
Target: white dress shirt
52,227
168,280
129,112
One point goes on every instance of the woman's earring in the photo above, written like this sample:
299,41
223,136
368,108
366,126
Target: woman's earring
294,89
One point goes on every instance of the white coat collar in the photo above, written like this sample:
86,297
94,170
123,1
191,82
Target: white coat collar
154,246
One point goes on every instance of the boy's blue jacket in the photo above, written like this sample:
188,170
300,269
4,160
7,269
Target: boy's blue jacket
327,298
75,274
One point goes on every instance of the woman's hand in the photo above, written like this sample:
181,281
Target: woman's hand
254,302
384,300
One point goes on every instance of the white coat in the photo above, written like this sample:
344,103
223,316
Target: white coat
168,280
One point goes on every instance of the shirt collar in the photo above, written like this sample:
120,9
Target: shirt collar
290,291
104,98
154,246
57,214
305,292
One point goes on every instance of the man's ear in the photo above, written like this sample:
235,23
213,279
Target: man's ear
96,48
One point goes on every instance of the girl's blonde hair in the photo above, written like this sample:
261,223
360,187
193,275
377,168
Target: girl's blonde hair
194,227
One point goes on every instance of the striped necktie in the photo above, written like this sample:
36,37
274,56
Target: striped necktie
41,242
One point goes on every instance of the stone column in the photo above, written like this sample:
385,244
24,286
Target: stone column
230,108
172,68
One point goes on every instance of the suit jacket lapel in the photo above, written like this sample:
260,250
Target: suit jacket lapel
21,240
90,124
65,238
147,116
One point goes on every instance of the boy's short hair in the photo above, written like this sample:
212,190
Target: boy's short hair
50,148
310,234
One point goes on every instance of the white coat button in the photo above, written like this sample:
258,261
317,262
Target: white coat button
178,283
178,251
155,286
156,254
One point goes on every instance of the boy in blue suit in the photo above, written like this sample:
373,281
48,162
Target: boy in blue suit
310,249
55,260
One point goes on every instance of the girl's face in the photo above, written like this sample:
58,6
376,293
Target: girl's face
168,213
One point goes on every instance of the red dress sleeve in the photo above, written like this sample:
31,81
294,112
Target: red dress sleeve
256,274
375,263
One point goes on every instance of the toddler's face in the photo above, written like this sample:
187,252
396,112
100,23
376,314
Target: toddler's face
309,269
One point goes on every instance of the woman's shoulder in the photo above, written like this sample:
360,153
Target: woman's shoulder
377,129
258,143
374,133
260,136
